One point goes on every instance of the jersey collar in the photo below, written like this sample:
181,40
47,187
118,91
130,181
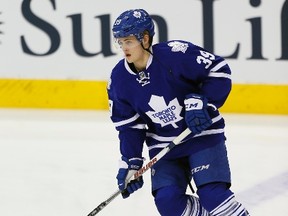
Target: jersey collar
149,62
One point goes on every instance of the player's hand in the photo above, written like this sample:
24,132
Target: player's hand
196,115
127,168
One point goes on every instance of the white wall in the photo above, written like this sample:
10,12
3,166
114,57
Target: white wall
184,19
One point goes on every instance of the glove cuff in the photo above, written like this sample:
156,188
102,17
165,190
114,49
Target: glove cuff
195,102
132,163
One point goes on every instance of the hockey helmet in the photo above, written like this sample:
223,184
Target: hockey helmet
133,22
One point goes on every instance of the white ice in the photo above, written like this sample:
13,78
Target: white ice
63,163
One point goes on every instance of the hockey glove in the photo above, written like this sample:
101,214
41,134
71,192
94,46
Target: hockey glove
127,168
197,117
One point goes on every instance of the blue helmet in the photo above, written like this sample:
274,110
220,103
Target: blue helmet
133,22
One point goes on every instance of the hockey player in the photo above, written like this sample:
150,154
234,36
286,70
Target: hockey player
155,93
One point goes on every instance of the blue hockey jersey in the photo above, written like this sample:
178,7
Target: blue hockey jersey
148,106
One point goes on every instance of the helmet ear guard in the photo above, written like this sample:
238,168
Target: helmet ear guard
133,23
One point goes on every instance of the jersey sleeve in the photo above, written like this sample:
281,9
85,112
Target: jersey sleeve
211,72
217,85
127,122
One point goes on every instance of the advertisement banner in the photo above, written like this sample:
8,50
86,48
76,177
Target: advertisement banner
71,41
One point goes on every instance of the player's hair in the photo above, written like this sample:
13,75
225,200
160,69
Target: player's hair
150,38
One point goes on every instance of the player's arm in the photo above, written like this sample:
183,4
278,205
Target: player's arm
132,134
213,76
131,129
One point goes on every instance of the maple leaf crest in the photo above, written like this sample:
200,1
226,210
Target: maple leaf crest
178,46
137,14
164,114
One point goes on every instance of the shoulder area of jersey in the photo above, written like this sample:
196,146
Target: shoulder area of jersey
116,70
173,46
119,65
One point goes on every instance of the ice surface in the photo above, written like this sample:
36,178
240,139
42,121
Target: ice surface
63,163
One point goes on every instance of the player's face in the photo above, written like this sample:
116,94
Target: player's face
127,42
131,47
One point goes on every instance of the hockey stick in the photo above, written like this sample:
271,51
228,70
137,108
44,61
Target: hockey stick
146,167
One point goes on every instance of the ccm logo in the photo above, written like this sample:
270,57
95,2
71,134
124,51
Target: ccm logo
200,168
193,104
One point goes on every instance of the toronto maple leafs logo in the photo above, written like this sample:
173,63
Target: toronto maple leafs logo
178,46
164,114
137,14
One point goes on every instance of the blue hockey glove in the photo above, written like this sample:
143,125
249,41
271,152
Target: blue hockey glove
197,117
127,168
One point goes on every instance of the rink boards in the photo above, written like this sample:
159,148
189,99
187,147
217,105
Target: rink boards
73,94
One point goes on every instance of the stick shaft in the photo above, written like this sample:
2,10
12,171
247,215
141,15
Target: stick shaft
141,171
104,204
161,154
